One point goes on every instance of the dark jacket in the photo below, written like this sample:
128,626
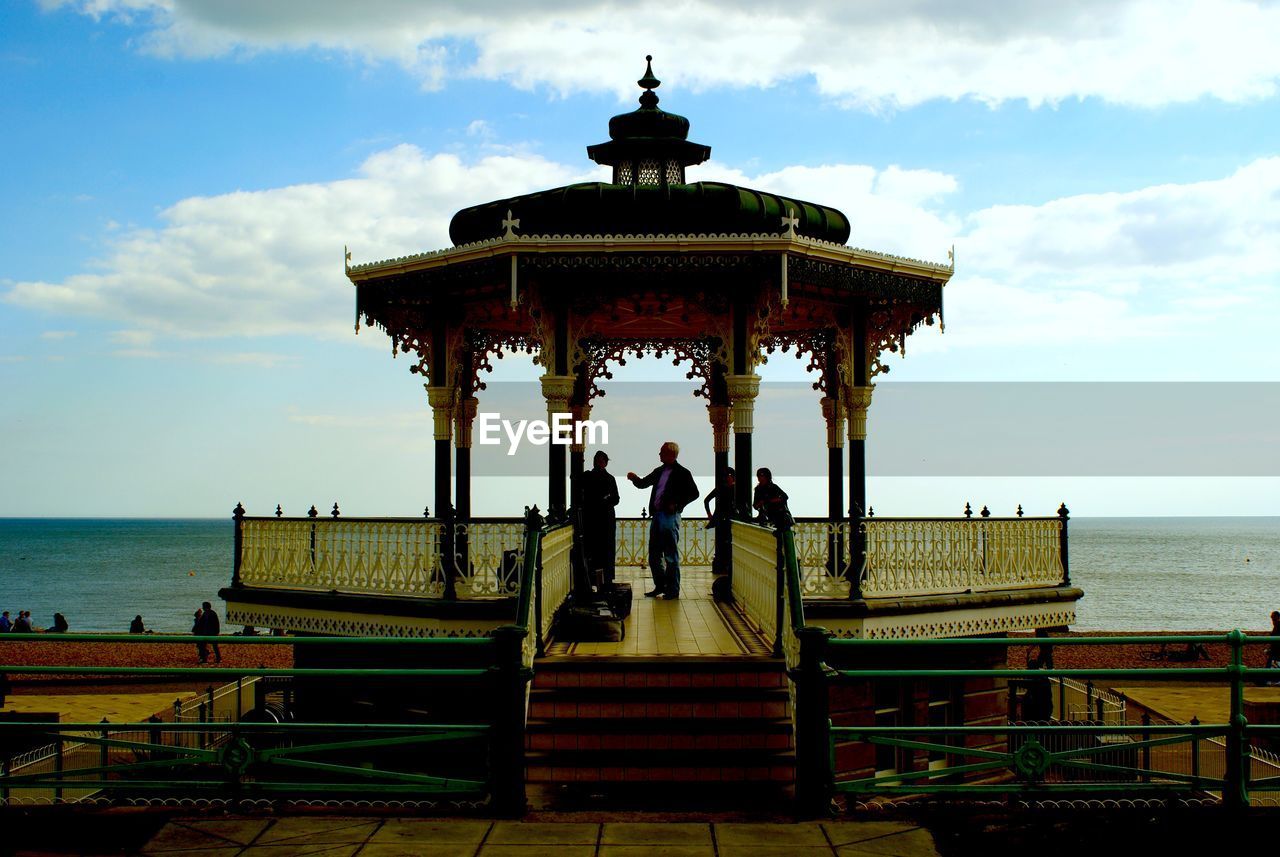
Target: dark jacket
599,495
208,624
681,489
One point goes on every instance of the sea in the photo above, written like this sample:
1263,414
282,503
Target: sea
1138,574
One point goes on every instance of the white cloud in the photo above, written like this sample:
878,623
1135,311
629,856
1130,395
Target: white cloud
57,335
877,54
1164,263
13,358
270,262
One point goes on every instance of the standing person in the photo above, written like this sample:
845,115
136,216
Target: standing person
724,504
673,488
770,500
23,623
599,521
207,625
5,622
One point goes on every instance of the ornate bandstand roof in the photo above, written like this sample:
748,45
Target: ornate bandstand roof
650,255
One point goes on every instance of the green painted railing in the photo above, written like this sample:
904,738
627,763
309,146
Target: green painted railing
323,760
1053,759
1042,760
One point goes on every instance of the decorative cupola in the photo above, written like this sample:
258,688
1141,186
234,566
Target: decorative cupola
649,146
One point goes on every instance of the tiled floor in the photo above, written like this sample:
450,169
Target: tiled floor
374,837
691,625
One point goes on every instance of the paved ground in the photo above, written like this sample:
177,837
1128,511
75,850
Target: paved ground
346,837
1179,702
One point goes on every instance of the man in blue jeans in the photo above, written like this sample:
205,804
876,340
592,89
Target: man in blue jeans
672,488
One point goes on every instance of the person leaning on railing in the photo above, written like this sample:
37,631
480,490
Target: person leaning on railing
771,501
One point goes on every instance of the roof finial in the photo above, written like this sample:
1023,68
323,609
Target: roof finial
649,83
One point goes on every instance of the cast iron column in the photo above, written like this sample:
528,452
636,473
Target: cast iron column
556,389
441,399
464,420
743,390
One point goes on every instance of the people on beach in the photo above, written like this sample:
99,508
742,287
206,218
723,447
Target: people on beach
136,626
673,488
60,625
207,625
5,622
22,625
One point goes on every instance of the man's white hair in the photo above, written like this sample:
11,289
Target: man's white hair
672,446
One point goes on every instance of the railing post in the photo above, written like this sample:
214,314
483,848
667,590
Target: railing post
1195,752
1146,750
506,747
102,750
449,519
780,581
237,515
1063,514
1235,792
857,554
59,764
815,774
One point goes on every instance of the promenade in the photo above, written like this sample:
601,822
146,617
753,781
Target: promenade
371,837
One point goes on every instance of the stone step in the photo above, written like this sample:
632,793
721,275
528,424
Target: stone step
553,705
651,766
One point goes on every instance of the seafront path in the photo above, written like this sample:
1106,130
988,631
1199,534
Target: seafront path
374,837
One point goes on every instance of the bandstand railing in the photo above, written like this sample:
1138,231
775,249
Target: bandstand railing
929,556
697,543
402,557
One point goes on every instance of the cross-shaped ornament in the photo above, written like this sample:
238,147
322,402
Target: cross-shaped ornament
790,222
510,225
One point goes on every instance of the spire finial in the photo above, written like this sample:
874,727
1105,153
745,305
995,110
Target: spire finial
649,83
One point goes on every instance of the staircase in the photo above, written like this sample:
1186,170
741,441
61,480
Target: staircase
604,723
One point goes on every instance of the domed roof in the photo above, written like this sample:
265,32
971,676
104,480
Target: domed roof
598,208
653,139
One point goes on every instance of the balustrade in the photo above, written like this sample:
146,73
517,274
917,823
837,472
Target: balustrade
755,576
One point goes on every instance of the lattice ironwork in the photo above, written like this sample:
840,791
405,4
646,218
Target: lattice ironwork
813,343
485,345
344,554
914,556
823,550
648,171
697,543
600,351
494,553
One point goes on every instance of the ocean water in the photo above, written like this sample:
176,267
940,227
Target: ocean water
1137,573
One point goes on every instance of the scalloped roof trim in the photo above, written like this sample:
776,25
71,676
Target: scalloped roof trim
701,236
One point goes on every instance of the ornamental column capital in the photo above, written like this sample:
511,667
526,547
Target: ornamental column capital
743,390
859,403
464,419
442,398
581,413
720,417
834,416
557,390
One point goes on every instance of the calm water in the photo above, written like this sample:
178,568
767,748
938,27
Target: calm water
1137,573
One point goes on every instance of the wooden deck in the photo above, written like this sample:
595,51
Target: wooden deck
693,625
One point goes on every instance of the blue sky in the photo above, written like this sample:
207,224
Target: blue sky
175,326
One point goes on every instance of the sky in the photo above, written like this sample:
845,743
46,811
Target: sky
181,177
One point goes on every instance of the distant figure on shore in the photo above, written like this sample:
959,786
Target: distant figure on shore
136,626
22,625
5,622
207,625
60,625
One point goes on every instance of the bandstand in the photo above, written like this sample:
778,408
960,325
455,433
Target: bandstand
715,277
